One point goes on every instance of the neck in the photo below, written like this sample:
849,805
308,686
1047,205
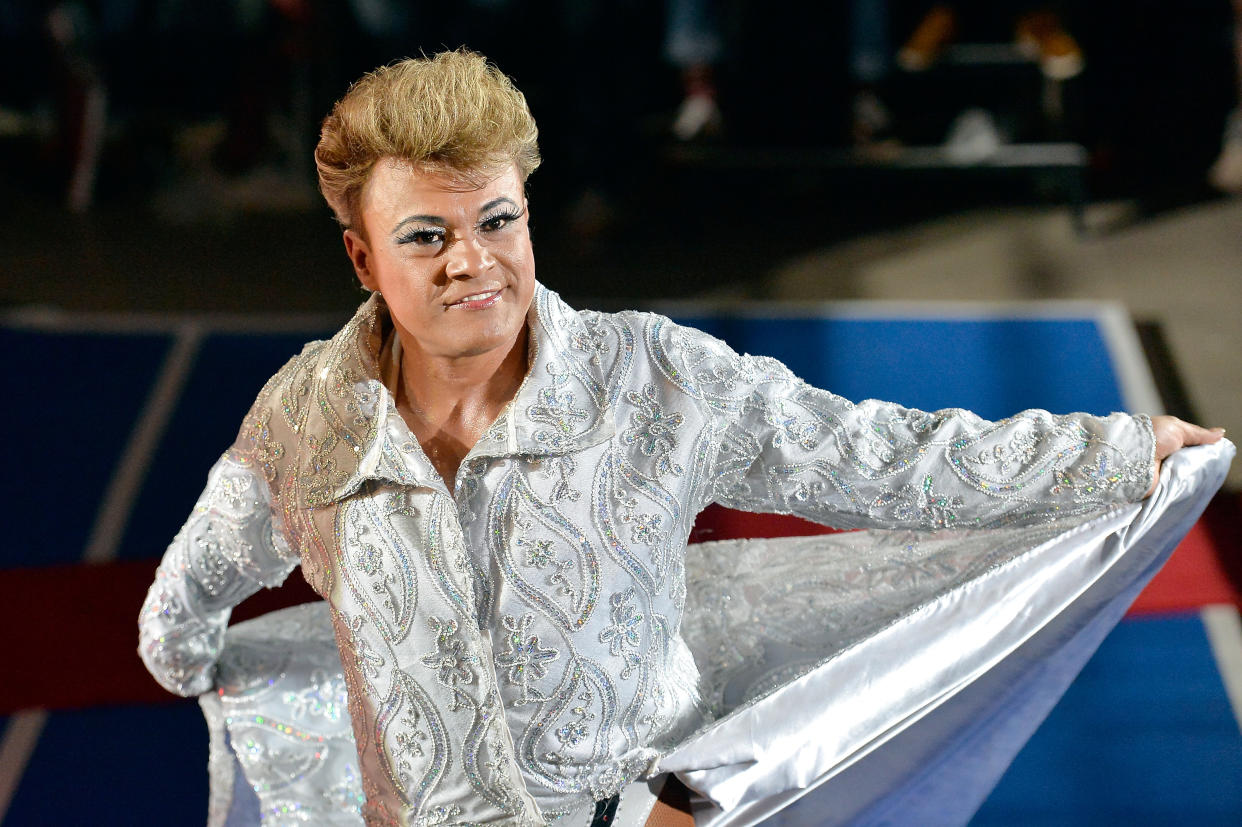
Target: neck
441,390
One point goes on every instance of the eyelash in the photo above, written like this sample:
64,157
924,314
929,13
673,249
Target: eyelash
503,218
427,237
421,237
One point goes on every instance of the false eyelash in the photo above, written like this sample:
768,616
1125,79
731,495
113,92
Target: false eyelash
507,215
412,235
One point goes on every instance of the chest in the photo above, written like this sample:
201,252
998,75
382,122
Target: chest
559,533
447,441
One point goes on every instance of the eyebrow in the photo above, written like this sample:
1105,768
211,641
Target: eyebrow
496,202
437,219
423,219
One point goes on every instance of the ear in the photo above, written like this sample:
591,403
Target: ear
360,256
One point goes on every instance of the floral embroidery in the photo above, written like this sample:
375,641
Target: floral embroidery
499,431
558,579
265,451
590,338
409,742
498,768
450,659
573,733
538,552
622,636
1088,480
368,559
921,505
723,375
237,492
321,477
525,659
293,396
738,425
646,529
439,815
366,660
652,430
564,467
363,403
611,779
1021,447
921,422
798,431
324,698
556,408
808,492
210,563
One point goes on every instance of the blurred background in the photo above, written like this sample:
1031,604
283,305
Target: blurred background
156,154
156,171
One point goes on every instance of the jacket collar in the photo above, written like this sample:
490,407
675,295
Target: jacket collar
353,433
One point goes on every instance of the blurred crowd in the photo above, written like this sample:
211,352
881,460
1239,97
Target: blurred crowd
201,106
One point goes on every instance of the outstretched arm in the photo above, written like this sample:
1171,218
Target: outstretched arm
783,446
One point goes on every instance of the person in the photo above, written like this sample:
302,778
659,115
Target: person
492,491
1225,173
1038,34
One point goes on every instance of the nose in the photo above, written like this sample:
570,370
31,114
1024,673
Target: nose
468,256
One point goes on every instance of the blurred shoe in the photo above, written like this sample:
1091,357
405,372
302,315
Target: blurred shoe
973,138
697,117
1040,36
1226,173
871,127
934,32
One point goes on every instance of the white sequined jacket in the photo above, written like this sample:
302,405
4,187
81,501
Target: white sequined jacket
513,648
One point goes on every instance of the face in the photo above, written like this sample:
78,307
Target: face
453,263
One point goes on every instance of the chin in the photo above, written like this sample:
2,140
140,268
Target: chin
484,342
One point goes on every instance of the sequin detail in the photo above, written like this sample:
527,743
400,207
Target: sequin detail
514,648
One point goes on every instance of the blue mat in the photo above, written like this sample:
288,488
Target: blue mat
73,399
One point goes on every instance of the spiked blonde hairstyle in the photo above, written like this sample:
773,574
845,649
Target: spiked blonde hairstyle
452,111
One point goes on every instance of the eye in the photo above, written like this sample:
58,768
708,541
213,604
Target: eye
421,237
498,221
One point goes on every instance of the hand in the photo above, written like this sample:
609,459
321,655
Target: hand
1172,434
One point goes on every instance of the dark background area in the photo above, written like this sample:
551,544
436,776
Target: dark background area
619,212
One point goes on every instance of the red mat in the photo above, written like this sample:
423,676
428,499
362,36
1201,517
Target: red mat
1206,568
73,638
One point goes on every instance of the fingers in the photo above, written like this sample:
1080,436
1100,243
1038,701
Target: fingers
1172,434
1203,436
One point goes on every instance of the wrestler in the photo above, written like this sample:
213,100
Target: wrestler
493,490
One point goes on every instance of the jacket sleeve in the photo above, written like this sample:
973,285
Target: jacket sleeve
227,549
783,446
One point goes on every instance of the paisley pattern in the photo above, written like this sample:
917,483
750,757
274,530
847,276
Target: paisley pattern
280,707
513,649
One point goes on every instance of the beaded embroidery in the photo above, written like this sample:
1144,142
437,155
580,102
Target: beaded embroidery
582,493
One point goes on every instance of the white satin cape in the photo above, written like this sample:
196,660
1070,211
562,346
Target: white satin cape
866,678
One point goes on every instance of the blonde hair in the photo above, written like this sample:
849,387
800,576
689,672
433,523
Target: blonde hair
453,111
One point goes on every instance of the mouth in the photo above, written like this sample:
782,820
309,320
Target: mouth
478,301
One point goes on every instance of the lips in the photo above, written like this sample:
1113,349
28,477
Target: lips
479,300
